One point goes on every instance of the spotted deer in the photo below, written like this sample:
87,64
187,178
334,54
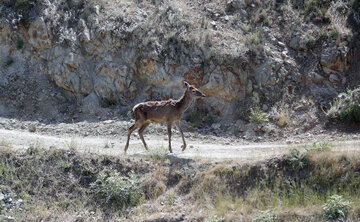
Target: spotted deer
165,111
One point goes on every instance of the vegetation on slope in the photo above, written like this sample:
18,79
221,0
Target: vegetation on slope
313,185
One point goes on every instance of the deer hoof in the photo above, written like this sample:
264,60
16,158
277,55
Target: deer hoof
183,147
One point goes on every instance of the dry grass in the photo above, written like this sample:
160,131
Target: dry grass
57,183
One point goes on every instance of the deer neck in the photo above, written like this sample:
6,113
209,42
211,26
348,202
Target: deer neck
185,101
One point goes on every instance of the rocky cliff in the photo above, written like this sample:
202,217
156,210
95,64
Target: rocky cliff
80,57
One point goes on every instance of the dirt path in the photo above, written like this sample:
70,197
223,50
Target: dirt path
110,146
108,138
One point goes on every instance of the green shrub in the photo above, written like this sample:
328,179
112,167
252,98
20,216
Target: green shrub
258,116
336,208
66,167
266,216
335,34
33,149
297,159
215,219
115,190
346,107
316,7
319,147
159,153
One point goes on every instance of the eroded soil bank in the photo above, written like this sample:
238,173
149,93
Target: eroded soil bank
63,185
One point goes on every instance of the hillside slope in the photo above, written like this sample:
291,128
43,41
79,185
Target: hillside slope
76,59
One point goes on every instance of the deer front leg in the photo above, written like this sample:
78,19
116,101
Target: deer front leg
182,135
169,135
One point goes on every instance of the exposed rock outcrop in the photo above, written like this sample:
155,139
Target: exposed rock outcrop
125,52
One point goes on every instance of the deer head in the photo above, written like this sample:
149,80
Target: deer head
191,90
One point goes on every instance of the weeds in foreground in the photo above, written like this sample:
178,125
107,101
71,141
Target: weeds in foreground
266,216
299,183
297,159
172,198
74,144
5,143
319,147
215,218
158,153
336,208
117,191
33,149
58,182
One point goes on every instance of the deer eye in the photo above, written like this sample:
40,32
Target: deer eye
194,90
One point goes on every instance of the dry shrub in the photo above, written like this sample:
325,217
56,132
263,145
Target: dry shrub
346,107
154,184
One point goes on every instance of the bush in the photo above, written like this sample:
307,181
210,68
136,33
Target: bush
215,219
336,208
297,159
266,216
346,107
115,190
258,116
316,7
159,153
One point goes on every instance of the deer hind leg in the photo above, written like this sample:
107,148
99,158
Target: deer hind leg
182,135
169,135
136,125
141,130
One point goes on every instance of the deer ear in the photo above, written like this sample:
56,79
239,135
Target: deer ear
186,84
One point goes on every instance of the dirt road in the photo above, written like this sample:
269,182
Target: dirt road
110,146
108,137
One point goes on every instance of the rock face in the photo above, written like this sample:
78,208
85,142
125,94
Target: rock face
335,59
123,53
38,36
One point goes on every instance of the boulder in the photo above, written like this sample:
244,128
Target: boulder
334,59
91,105
235,5
264,71
38,34
333,78
299,43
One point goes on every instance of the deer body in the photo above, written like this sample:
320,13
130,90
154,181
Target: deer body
166,111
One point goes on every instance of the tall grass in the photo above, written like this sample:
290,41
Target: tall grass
297,187
301,184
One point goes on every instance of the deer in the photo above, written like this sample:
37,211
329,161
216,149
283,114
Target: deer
165,111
